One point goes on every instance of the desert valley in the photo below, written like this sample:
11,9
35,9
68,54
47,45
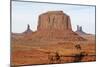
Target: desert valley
53,42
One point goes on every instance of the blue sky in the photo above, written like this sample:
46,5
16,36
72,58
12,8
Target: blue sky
24,13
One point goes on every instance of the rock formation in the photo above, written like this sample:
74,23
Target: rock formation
80,30
83,34
55,25
28,30
54,20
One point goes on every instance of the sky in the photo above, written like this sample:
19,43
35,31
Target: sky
24,13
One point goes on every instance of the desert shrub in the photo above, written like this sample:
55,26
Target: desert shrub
54,58
78,47
79,57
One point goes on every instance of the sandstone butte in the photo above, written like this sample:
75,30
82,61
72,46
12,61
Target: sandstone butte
55,25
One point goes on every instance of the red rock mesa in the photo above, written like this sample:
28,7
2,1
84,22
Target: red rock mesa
54,20
55,25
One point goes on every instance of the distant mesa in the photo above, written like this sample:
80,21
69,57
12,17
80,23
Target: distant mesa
83,34
54,20
28,30
54,25
80,30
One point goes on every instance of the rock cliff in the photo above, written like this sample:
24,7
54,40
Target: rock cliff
55,25
54,20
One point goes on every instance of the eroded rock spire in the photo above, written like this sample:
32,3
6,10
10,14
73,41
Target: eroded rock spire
80,30
28,30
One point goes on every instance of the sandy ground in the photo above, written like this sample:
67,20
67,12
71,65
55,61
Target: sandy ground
33,52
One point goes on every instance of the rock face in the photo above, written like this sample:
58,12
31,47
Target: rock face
54,20
55,25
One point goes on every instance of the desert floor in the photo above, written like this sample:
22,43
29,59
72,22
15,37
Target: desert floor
31,52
